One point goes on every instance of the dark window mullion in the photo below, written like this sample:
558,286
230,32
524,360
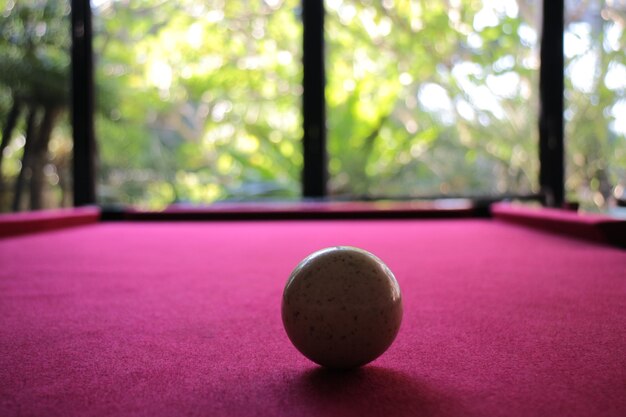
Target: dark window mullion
551,88
82,105
315,172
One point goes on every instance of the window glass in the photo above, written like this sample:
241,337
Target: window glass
198,101
36,141
429,98
595,102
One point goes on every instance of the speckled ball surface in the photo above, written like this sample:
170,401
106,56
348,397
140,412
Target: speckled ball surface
342,307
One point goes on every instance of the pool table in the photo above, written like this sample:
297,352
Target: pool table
511,312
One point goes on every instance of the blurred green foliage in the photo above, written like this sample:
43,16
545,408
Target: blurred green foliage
439,98
595,102
200,101
207,98
35,147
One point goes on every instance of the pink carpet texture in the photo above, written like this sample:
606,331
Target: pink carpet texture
183,319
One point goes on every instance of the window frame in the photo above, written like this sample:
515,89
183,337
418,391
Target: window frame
315,166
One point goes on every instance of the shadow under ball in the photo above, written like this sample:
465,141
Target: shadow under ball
342,307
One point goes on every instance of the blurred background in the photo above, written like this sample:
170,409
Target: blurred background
200,101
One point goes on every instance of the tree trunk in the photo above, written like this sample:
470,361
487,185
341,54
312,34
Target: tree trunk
21,177
7,132
39,157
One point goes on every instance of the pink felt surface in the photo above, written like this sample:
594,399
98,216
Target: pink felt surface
167,319
589,226
14,224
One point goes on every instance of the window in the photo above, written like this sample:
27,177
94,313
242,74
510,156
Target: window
34,103
432,98
198,101
595,102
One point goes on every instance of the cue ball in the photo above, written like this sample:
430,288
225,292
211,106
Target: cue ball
342,307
